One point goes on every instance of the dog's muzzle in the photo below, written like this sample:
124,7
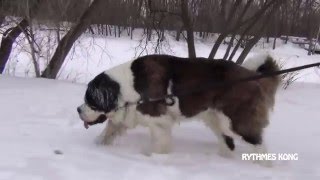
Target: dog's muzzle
101,119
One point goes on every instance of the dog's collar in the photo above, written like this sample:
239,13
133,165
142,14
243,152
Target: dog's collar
168,100
126,105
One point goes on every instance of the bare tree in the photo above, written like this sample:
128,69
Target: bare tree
7,41
241,23
259,32
10,36
234,33
188,24
227,22
67,41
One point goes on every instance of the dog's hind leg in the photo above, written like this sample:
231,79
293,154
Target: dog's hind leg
252,137
259,147
229,142
213,120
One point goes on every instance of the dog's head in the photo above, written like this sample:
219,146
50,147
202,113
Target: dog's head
101,99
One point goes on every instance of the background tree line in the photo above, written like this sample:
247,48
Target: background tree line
239,23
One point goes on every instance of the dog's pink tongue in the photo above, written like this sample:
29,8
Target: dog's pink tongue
86,125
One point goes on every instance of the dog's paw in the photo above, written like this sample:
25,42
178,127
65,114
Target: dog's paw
104,140
161,149
152,149
225,152
264,163
146,152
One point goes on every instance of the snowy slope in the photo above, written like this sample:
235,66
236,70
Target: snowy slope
93,54
38,117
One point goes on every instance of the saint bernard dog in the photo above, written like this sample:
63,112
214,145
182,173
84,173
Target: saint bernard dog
236,111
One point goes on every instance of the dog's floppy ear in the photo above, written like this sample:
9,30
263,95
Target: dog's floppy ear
102,93
110,90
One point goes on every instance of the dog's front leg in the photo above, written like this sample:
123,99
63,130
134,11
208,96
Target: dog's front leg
160,130
110,132
118,125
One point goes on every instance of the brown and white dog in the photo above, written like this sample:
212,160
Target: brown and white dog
239,110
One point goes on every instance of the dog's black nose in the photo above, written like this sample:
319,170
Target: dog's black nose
79,110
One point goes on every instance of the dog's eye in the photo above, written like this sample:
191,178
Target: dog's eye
94,108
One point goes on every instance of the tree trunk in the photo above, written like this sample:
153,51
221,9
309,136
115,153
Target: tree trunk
217,45
274,42
248,48
119,31
2,19
7,41
12,34
67,41
131,32
106,30
228,29
188,24
110,30
257,17
254,40
179,31
31,41
310,47
229,47
91,30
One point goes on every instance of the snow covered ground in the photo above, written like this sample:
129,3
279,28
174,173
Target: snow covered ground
94,54
42,138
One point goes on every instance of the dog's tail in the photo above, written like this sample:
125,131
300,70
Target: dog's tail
265,64
262,63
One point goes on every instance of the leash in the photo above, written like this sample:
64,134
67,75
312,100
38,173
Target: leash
169,98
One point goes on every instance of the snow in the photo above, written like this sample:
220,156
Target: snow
39,118
42,136
93,54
